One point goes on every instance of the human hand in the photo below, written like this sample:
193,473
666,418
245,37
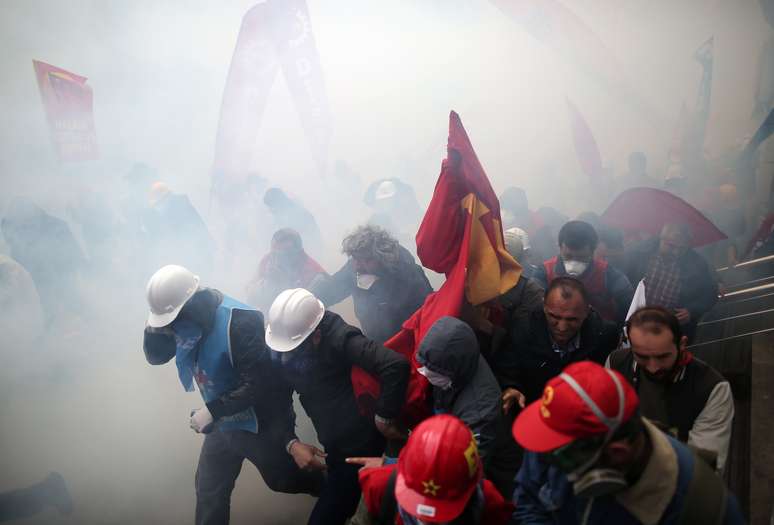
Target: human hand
683,315
370,462
390,429
201,421
510,397
307,457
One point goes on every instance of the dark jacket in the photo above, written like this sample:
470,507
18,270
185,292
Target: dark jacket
383,308
516,306
698,286
614,287
534,361
321,375
450,348
260,383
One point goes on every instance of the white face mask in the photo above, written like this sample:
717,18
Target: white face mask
575,268
436,379
366,280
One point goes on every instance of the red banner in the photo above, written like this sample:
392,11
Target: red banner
585,144
274,34
68,103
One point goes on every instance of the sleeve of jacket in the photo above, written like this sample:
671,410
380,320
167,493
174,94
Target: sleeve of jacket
540,276
705,294
621,290
257,377
334,289
712,428
389,366
158,345
530,480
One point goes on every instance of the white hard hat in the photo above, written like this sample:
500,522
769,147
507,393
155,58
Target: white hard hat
168,290
517,233
387,189
293,316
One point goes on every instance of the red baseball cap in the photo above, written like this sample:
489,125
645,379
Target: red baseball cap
585,400
438,470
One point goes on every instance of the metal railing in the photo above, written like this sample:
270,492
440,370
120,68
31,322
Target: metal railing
747,264
733,337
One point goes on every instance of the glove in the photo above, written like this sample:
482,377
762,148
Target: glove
201,421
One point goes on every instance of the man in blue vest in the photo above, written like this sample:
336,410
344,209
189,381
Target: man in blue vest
218,343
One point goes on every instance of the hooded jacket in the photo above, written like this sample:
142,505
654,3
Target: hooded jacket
383,308
450,348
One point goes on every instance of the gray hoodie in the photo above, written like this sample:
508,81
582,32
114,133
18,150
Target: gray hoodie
450,348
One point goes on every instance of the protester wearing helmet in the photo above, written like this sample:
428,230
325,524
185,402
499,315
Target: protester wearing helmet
594,460
438,479
517,244
218,343
317,350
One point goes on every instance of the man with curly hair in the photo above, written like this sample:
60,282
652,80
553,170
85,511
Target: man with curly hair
386,284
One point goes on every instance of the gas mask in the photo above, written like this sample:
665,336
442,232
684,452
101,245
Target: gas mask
580,458
366,280
436,379
575,268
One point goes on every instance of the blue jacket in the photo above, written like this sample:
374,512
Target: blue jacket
544,496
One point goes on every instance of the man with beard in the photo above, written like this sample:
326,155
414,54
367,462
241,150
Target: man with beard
385,283
684,394
286,266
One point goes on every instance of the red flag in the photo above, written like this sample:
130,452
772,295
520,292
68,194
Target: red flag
585,145
68,103
274,34
461,235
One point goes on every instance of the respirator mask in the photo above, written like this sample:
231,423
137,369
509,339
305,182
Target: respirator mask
574,268
579,458
366,280
434,378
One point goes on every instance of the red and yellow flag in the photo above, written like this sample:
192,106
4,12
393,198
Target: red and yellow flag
461,236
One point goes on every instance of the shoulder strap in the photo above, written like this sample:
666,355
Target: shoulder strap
389,505
706,498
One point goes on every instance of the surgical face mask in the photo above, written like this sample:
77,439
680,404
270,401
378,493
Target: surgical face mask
366,280
575,268
436,379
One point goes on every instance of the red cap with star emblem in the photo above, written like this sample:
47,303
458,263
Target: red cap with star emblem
585,400
438,470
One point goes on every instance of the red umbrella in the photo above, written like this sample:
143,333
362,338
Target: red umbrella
647,210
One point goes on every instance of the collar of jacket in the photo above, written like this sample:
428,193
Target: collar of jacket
649,497
678,376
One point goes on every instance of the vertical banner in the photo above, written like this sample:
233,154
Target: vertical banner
276,34
68,103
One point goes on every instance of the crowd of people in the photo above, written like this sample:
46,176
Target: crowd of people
567,399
